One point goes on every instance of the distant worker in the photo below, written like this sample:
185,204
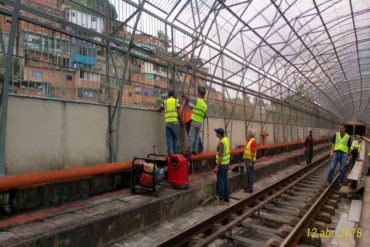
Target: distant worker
340,151
171,107
199,109
250,156
222,165
308,144
186,118
354,152
360,140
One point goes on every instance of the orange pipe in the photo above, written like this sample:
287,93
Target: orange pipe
207,155
13,181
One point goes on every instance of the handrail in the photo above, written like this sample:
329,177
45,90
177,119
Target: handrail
27,179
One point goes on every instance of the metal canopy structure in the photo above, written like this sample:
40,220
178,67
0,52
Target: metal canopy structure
286,63
318,49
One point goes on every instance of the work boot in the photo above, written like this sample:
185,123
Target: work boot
246,190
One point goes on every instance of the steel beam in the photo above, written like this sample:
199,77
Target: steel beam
5,91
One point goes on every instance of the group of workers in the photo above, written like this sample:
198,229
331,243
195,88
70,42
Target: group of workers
175,113
193,119
342,147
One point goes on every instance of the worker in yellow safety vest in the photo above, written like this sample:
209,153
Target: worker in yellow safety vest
171,107
354,152
360,140
222,165
340,152
199,109
250,156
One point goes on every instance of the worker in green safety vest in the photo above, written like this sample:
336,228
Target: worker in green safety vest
360,140
354,152
171,107
222,165
340,152
199,109
250,156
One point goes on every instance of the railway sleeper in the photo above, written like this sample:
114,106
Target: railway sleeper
294,204
311,240
323,216
283,219
328,209
332,203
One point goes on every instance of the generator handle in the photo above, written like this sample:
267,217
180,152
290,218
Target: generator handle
152,156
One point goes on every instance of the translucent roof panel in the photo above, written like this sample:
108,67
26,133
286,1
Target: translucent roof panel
319,50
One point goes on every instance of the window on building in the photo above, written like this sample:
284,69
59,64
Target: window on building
82,74
93,19
155,68
63,62
62,46
73,14
32,41
37,74
87,93
68,78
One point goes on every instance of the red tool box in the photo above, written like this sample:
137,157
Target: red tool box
178,170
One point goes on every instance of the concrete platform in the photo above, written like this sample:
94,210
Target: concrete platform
364,241
105,219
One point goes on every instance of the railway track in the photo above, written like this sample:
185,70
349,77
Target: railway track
277,215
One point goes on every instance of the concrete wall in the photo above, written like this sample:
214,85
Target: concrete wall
139,131
48,135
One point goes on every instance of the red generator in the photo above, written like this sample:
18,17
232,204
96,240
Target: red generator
178,170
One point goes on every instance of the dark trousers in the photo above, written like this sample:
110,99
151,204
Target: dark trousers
354,154
250,174
223,183
309,155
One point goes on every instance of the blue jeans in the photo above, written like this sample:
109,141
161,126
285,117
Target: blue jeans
171,136
223,183
338,157
250,174
354,154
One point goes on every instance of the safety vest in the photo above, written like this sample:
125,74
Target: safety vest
354,145
226,153
341,142
199,110
248,153
170,110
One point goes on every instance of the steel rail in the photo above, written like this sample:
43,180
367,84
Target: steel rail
295,235
277,189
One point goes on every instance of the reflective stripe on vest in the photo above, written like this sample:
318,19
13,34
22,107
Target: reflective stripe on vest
199,110
170,110
248,153
226,153
341,143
